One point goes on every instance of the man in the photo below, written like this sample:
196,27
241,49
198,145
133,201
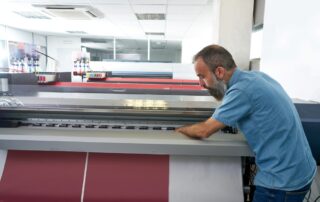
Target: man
262,110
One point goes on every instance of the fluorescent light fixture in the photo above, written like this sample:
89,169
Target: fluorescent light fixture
151,16
155,33
77,32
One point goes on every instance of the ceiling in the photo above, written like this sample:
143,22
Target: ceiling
119,18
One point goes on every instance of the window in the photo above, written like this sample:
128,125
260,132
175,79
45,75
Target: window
131,50
165,51
3,57
256,44
99,49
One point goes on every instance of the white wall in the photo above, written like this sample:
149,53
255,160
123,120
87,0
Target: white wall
12,34
200,34
291,46
191,46
39,40
61,49
235,27
18,35
2,32
224,22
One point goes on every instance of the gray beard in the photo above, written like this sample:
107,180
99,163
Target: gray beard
218,90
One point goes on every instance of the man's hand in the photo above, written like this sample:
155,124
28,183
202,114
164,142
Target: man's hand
201,130
184,130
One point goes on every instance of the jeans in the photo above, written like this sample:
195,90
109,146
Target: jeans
262,194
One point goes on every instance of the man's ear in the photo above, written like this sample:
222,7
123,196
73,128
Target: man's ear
220,72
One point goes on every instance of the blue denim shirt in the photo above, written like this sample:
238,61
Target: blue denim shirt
263,111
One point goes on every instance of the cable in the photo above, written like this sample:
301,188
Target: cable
317,199
44,54
308,198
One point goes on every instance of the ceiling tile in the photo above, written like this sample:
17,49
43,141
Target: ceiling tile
153,25
180,26
187,2
70,2
27,1
186,10
18,7
133,26
149,8
175,35
135,31
109,2
149,2
180,17
129,23
115,9
122,18
177,29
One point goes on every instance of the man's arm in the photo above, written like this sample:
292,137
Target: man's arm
202,129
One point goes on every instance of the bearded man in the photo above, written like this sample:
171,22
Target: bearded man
262,110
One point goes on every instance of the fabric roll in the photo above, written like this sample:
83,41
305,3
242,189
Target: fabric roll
205,179
3,157
31,176
127,178
38,176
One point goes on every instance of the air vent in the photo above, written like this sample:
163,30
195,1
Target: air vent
32,15
150,16
70,12
77,32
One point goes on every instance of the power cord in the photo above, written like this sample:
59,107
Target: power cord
308,198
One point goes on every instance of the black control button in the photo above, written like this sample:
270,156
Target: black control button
90,126
116,127
103,126
143,128
229,129
76,126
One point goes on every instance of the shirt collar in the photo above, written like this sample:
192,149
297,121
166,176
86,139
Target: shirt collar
234,78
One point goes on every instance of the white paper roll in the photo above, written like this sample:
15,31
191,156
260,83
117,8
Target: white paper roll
4,85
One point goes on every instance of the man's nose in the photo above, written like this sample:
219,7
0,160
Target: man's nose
202,83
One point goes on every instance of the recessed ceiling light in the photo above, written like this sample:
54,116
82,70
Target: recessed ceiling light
155,33
151,16
77,32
